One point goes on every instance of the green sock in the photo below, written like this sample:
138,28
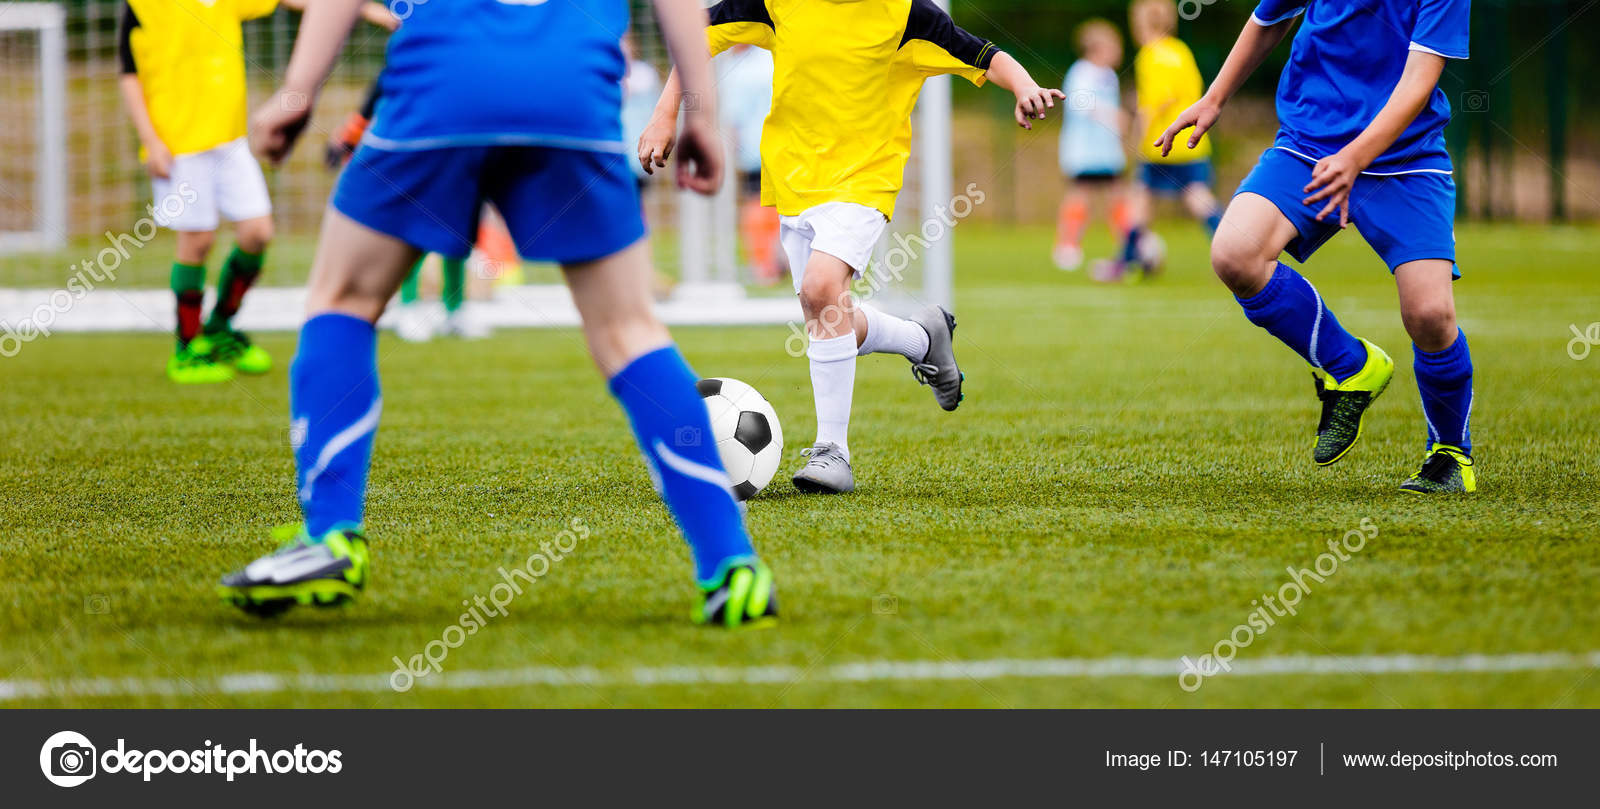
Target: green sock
239,272
455,283
189,285
408,287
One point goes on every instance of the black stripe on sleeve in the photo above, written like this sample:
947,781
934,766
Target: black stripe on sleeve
125,28
374,92
931,23
729,11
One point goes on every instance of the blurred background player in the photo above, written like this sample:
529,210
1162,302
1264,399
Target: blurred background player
1166,82
833,158
1091,154
518,104
744,77
183,83
415,322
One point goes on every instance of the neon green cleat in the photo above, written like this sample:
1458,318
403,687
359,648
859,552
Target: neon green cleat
1344,404
329,573
234,348
1447,470
744,596
196,364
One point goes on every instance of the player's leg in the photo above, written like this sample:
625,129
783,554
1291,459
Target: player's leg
412,321
1350,373
1443,366
1202,205
384,203
1071,220
242,199
835,342
1136,210
185,202
581,210
334,404
453,294
1410,221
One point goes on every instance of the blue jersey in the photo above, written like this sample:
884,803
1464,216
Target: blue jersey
1346,60
504,72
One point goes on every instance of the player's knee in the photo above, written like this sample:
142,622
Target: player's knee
1432,325
820,295
195,246
254,235
1239,263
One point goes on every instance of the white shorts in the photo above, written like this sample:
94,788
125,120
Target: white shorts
845,230
224,181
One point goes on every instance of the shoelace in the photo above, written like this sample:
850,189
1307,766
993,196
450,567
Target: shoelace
822,456
1437,467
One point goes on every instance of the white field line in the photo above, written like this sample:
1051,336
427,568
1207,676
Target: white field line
864,672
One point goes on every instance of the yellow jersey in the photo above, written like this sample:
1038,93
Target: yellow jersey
189,56
1167,82
846,74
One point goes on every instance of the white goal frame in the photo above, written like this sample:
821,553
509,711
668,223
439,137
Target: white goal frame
49,22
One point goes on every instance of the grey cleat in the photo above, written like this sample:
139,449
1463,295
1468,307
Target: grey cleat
938,369
826,471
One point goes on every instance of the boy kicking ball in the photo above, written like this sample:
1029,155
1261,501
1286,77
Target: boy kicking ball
1361,141
833,157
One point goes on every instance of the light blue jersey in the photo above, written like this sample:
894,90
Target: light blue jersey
744,82
497,72
1345,63
1091,141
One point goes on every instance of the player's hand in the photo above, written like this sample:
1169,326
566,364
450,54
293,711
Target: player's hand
1335,174
699,156
158,159
1201,117
1033,101
278,123
656,144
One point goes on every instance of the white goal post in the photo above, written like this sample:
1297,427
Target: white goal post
38,219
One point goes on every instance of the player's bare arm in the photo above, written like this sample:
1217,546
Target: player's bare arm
1336,174
683,27
1032,100
277,124
660,136
1249,51
158,158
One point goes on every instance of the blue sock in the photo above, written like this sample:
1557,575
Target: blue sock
334,404
1292,311
1213,221
1445,380
1130,247
674,432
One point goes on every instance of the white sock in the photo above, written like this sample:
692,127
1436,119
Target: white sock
887,334
833,381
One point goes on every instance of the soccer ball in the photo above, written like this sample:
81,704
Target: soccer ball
1152,251
747,433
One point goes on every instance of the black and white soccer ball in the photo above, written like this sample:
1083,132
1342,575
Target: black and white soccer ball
747,433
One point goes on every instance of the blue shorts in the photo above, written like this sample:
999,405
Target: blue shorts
562,205
1172,178
1405,217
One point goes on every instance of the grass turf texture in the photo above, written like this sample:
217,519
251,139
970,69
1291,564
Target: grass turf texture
1130,469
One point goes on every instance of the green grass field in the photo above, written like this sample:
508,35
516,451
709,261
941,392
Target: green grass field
1130,470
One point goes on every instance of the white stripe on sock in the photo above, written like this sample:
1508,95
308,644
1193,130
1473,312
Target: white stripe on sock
691,469
339,443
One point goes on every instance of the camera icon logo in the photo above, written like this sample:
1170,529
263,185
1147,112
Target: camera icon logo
687,437
67,759
1475,101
